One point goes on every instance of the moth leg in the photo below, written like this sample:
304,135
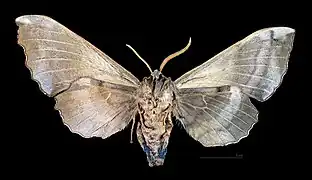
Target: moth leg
169,125
133,122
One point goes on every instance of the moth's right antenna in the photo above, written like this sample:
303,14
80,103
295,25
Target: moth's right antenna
174,55
140,57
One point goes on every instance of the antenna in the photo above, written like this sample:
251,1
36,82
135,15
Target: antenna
165,61
140,58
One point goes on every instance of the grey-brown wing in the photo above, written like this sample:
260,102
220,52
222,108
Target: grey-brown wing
215,116
57,56
255,64
92,108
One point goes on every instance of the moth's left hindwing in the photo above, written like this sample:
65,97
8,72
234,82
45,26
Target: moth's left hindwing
94,94
94,108
254,67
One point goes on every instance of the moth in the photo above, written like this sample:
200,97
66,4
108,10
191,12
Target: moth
97,97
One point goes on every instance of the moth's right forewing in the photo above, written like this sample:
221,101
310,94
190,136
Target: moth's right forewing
92,108
256,64
57,56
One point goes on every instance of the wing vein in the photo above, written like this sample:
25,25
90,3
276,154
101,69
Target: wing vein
54,71
256,50
211,116
52,59
251,75
220,125
88,109
58,50
56,32
238,84
105,124
258,65
87,118
50,40
207,123
260,57
241,102
225,119
228,111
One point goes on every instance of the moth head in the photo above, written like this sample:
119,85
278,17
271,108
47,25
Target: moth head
156,74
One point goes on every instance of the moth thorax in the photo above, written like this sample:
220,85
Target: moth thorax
156,97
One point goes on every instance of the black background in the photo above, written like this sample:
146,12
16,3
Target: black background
38,140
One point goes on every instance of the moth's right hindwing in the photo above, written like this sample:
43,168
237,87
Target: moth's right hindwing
216,116
94,94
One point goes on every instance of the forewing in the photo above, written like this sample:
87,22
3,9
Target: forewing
56,56
255,64
215,116
92,108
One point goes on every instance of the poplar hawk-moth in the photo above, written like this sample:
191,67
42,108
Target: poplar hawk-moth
97,97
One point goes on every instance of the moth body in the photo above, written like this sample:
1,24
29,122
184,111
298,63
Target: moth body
156,98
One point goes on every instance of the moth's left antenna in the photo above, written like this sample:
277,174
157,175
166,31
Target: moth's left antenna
140,57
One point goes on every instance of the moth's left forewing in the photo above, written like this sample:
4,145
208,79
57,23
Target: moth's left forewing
56,56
